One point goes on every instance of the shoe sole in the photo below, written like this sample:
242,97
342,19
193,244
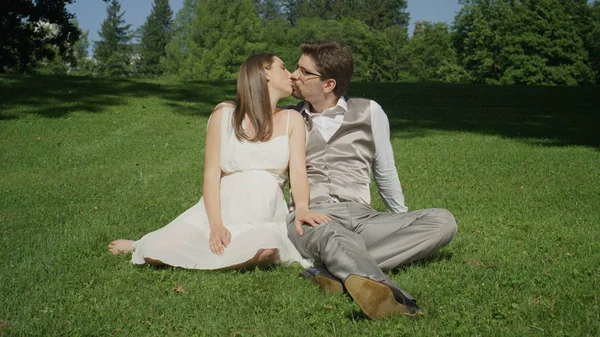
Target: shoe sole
328,285
375,299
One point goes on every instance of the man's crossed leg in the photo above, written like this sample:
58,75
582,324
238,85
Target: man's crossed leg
360,243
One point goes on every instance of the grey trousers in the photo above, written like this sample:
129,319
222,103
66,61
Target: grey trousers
362,241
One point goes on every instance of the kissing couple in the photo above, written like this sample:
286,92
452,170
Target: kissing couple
330,146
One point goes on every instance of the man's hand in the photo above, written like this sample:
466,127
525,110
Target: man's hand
304,216
220,237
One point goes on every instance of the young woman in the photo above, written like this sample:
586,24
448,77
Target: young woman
240,221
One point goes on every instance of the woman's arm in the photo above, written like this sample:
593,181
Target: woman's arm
211,188
298,177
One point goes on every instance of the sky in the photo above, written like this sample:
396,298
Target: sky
91,13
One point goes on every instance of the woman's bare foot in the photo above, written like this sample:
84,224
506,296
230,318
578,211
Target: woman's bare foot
264,257
120,246
267,256
153,261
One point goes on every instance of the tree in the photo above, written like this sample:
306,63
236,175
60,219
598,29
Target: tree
397,38
223,34
35,30
520,42
593,40
586,19
381,14
177,50
544,47
79,64
481,28
308,9
269,10
579,12
83,66
113,51
377,14
430,55
156,33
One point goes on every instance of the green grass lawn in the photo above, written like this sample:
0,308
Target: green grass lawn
84,161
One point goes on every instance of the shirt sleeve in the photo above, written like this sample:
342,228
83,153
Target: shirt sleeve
384,166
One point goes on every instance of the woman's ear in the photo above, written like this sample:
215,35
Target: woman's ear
267,75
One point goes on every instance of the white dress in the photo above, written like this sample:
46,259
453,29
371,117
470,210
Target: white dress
253,209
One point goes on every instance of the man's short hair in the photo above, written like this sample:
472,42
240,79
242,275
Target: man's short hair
333,62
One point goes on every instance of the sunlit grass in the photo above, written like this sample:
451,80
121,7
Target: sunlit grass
85,161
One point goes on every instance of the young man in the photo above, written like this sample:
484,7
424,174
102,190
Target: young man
347,141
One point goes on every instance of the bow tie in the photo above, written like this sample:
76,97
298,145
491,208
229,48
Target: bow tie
306,116
329,112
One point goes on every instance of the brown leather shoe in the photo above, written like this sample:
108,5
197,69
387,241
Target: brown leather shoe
377,300
321,277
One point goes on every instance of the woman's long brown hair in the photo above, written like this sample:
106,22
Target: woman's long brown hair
253,99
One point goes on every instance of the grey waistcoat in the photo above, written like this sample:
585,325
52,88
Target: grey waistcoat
341,167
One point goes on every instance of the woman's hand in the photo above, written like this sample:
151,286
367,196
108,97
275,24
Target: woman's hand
220,237
304,216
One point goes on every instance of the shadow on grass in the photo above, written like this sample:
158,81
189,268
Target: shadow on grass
357,316
7,117
58,96
551,116
224,271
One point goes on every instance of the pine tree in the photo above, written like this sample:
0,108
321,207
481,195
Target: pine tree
177,50
113,51
156,33
223,35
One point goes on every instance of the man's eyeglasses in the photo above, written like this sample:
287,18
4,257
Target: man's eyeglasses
305,74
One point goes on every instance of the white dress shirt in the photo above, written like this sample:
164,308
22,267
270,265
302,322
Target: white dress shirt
384,167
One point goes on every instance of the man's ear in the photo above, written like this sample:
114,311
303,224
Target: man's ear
329,85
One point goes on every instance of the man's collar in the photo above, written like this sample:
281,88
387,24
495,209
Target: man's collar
306,108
